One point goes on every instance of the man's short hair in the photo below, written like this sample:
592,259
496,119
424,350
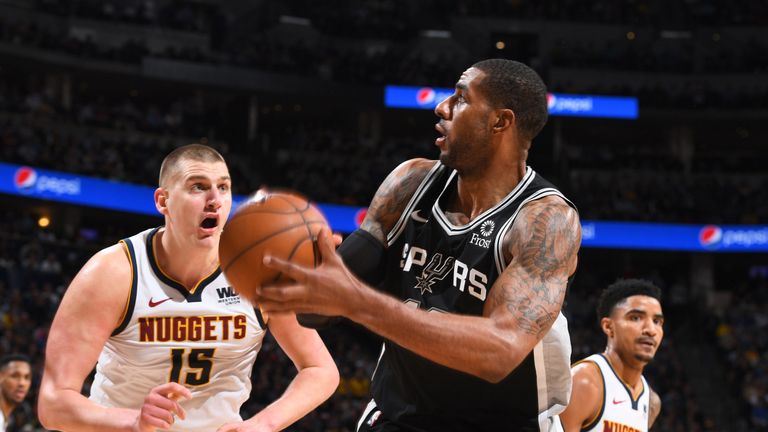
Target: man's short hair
622,289
513,85
195,152
8,358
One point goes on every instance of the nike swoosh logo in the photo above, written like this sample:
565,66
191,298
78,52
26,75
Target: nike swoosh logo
618,402
153,304
415,216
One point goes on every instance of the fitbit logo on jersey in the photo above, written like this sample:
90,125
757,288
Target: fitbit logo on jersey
463,278
27,181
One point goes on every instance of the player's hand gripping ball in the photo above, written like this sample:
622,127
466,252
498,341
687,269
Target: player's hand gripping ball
283,224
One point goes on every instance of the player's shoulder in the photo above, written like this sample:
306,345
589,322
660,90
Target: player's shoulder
587,374
550,203
111,263
394,194
417,168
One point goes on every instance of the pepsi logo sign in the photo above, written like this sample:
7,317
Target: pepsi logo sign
360,216
551,100
27,181
710,236
24,180
425,96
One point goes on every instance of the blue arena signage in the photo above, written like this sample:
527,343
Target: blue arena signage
73,189
560,104
675,237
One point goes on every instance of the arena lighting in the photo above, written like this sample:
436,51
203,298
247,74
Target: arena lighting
560,104
43,222
73,189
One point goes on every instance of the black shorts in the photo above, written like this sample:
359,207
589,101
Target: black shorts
374,421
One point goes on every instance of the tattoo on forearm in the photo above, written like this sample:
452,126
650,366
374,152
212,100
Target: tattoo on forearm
391,198
543,245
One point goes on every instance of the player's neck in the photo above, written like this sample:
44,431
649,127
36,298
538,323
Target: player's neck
626,372
477,192
6,406
183,264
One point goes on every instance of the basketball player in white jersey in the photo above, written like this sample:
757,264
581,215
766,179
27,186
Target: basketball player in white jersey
609,391
175,344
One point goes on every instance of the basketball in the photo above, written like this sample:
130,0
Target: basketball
285,225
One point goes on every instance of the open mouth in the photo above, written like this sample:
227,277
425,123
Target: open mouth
209,223
441,139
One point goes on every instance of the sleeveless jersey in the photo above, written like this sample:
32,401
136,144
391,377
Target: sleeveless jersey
620,411
205,339
437,266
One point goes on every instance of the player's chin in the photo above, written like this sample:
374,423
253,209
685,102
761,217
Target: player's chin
645,356
208,238
447,159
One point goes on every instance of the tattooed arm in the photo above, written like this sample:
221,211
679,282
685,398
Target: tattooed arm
393,195
542,245
522,305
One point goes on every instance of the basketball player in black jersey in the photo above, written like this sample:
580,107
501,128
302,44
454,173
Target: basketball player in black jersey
472,255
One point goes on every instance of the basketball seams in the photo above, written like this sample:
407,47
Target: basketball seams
292,204
259,241
312,236
275,212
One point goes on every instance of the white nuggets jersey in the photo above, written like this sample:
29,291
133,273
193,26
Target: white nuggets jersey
205,339
620,411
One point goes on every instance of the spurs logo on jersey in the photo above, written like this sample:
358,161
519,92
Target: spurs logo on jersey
433,272
438,269
205,339
450,268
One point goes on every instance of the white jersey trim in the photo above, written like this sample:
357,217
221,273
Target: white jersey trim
453,230
612,383
399,227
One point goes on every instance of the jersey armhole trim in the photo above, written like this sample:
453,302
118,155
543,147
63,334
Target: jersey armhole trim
593,421
399,226
261,317
130,302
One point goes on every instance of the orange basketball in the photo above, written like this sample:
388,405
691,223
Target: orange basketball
282,224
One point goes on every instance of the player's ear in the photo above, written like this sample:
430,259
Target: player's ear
607,325
503,119
161,201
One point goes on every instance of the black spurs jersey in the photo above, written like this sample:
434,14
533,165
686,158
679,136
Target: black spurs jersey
440,267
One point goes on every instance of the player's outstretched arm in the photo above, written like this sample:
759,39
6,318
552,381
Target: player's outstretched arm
586,397
316,380
521,307
90,310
